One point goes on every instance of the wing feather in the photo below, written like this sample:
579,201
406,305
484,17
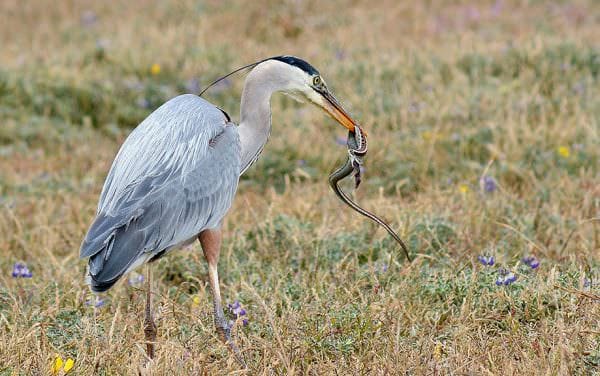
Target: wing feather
175,175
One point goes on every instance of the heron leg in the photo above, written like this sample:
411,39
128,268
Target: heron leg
211,246
149,325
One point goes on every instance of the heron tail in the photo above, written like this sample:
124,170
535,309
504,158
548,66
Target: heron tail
116,252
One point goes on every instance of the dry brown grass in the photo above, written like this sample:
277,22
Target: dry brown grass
448,91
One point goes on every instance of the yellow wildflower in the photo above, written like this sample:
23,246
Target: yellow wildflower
196,300
564,151
155,69
69,364
433,136
437,351
57,365
463,188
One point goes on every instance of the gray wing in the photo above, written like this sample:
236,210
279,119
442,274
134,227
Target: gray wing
175,175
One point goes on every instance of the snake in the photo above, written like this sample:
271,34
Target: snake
357,149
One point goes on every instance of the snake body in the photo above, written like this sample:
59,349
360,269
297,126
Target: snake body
357,149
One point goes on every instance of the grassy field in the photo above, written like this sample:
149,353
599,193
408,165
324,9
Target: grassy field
484,130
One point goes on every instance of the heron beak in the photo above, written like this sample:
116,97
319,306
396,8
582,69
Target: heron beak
336,111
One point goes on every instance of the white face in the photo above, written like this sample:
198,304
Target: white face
313,84
300,85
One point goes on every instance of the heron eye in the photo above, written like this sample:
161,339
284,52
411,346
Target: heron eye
317,81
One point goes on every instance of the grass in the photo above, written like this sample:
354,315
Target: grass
449,92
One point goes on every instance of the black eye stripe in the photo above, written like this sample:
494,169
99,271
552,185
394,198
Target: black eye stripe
320,89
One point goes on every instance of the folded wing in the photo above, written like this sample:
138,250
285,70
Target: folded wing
175,175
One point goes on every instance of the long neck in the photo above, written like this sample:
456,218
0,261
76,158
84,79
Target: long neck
255,117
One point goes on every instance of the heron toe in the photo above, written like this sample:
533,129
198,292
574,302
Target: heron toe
223,331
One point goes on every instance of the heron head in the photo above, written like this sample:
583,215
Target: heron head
305,81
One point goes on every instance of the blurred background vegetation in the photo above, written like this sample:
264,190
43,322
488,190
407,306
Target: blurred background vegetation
484,131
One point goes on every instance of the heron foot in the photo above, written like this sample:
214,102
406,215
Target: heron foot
145,369
224,333
150,334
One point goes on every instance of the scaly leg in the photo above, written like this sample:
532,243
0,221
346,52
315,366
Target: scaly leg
211,245
149,325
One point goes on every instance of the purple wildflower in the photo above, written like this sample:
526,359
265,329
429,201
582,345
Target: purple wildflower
510,278
135,279
488,184
88,18
20,270
472,14
505,277
414,107
578,147
531,261
579,89
497,7
95,301
102,44
237,311
587,282
143,103
486,260
133,84
192,86
221,86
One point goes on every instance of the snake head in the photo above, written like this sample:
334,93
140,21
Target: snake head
357,149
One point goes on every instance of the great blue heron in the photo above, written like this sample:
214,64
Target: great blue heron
175,176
